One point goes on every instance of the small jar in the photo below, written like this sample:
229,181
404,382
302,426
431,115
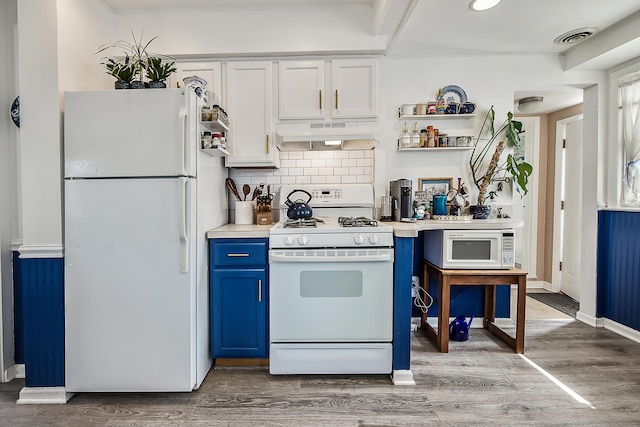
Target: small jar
215,112
206,114
415,136
431,137
431,107
443,140
207,140
404,141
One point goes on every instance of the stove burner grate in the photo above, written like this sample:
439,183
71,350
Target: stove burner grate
302,223
357,222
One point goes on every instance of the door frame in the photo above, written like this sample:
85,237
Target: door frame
561,126
531,203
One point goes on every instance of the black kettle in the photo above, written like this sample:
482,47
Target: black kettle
299,209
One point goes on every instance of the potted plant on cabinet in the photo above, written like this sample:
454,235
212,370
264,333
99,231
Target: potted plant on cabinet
121,70
484,174
158,72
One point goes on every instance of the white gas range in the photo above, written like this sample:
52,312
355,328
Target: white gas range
331,285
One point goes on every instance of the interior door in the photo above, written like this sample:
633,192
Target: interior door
571,215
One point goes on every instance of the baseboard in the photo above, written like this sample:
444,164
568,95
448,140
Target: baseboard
623,330
402,377
588,319
534,284
13,372
241,362
43,395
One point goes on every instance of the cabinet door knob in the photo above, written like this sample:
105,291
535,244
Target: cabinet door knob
237,255
320,99
259,290
267,140
336,99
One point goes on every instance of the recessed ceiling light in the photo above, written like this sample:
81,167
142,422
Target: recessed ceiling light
479,5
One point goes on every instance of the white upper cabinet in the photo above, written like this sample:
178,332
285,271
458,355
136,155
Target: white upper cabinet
301,89
354,88
349,91
249,101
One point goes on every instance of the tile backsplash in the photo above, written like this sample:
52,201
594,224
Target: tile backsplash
308,167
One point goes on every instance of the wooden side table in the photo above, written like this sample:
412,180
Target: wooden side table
487,278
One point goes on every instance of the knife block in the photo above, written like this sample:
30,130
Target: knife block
263,215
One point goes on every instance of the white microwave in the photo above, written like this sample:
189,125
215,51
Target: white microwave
470,249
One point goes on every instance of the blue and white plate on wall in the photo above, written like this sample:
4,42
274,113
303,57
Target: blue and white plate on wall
15,111
453,93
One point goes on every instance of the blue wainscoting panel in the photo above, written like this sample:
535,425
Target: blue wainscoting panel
18,301
619,267
402,269
43,305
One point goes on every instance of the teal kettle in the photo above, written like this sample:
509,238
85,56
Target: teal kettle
459,328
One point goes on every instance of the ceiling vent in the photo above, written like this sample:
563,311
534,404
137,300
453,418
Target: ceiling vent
576,36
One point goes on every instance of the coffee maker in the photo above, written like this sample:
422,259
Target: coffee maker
400,190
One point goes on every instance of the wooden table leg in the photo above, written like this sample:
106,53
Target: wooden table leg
489,306
443,313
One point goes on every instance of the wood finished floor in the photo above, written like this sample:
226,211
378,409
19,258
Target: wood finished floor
480,382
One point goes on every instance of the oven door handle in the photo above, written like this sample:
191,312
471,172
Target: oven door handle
385,255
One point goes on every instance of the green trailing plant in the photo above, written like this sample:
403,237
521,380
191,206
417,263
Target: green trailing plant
157,71
483,174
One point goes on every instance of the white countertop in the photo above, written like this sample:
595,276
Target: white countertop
400,229
232,231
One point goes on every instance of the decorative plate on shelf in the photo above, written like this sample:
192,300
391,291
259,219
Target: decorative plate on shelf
453,93
198,85
15,111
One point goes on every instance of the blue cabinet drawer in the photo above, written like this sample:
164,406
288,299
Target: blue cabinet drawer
236,252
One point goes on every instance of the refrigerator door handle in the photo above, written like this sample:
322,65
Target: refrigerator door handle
183,217
186,158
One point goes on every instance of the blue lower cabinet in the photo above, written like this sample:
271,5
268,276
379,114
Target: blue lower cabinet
239,298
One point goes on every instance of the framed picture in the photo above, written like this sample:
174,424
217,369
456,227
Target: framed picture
435,186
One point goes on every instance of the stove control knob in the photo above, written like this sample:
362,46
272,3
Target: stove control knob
288,240
374,239
303,240
358,239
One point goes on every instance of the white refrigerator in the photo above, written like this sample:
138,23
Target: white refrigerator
139,197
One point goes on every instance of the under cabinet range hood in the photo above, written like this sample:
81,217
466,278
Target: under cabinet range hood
327,136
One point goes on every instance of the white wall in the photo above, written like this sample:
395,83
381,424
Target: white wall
40,123
8,181
83,26
487,80
271,31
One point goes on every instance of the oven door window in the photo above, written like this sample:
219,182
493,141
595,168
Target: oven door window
331,302
331,284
